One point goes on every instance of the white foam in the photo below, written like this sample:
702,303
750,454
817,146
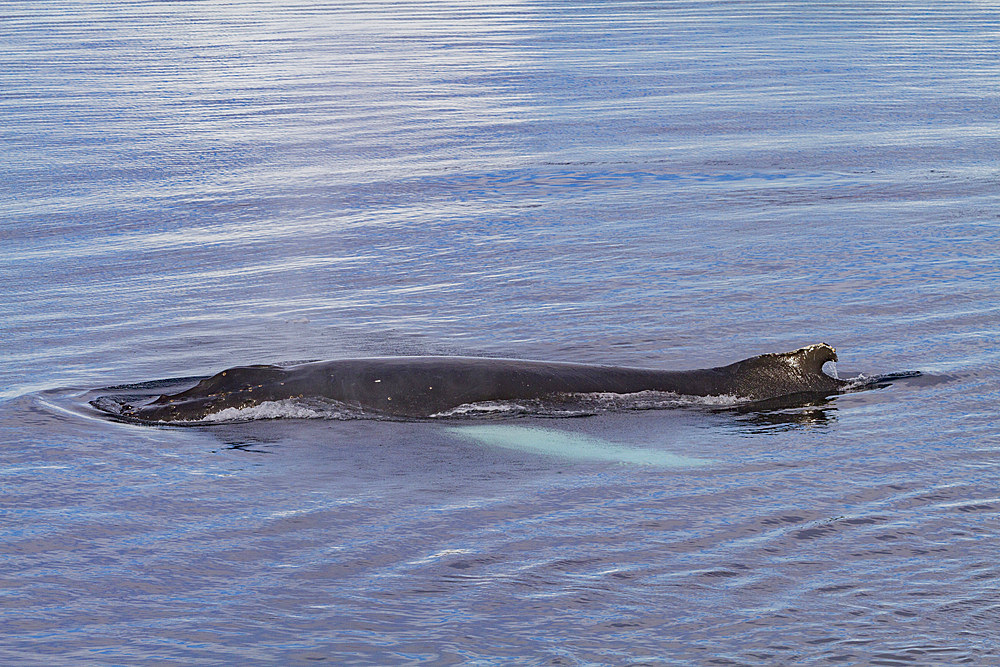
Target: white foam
862,381
570,405
284,409
566,405
653,400
483,408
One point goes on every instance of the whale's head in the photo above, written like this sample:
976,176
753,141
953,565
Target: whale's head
240,387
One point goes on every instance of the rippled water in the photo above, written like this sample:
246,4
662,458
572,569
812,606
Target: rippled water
191,186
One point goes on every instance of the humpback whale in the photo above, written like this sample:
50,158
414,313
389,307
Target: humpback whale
421,387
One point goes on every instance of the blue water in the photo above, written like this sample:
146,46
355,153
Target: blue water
188,186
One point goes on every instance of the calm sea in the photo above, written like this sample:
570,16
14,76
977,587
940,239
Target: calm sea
188,186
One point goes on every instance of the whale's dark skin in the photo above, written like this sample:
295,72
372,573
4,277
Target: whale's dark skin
418,387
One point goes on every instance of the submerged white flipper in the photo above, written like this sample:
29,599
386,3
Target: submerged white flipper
570,445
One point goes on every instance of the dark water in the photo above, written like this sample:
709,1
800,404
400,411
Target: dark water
188,186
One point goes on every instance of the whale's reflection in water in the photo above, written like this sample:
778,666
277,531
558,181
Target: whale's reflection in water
785,415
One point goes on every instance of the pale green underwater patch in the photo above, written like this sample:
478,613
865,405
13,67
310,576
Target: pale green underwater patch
570,445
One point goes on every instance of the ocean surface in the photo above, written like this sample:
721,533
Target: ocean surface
190,186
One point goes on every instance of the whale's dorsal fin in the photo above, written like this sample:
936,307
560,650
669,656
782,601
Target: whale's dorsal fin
811,358
785,373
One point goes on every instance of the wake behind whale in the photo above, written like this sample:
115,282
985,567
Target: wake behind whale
442,387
